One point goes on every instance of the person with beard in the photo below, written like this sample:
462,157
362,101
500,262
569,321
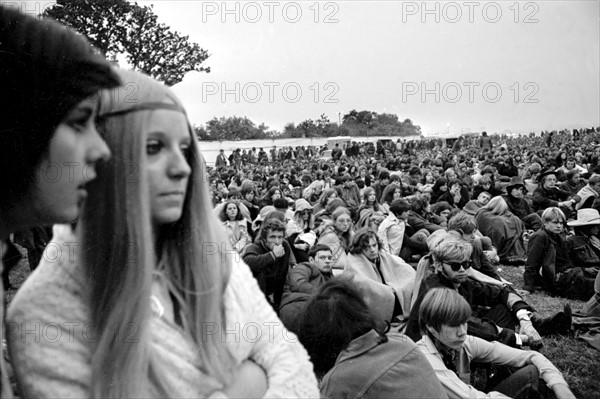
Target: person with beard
496,309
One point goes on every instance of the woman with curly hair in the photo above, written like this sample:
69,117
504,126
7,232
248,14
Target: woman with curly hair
312,193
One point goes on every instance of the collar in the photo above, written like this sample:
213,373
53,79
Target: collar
360,345
10,256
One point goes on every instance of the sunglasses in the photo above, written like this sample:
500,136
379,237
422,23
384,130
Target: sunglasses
455,266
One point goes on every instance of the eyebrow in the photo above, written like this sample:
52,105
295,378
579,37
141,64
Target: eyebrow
163,135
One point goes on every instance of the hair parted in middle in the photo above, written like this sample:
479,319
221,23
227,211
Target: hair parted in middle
127,252
361,239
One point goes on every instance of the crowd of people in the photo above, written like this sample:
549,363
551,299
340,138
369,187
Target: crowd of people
370,274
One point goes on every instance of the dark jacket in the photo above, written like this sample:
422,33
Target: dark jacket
477,295
449,198
582,252
543,198
418,222
270,272
546,252
302,281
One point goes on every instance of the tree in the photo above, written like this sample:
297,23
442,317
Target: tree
234,128
118,27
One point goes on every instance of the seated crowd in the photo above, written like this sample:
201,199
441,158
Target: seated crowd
377,238
381,260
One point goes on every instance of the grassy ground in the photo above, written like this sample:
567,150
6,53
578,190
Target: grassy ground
579,363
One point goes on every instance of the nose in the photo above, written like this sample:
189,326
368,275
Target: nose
462,330
98,148
178,165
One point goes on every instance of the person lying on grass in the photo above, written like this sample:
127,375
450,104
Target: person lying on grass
443,317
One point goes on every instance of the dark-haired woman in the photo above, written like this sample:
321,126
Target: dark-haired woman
50,76
440,187
235,226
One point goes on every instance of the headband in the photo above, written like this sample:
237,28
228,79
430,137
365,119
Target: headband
148,106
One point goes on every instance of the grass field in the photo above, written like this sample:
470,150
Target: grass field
579,363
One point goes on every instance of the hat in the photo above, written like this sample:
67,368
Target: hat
515,181
586,217
544,173
302,204
310,238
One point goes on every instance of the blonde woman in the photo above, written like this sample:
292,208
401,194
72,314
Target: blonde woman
153,302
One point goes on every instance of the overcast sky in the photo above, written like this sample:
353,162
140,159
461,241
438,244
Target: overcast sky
448,66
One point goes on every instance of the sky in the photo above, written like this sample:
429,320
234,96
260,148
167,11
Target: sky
451,67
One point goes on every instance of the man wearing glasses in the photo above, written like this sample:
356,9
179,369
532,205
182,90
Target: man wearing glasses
496,310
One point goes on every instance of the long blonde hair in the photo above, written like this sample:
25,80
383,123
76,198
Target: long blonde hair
123,255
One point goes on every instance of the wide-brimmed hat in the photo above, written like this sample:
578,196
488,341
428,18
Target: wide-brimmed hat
586,217
302,204
545,173
515,181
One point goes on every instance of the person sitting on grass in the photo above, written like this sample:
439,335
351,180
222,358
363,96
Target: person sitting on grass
385,280
496,309
443,318
548,262
354,356
302,282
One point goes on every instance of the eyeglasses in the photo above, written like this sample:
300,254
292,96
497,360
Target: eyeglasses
455,266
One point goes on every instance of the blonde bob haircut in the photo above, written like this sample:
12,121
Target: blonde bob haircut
124,256
553,213
497,206
445,246
442,305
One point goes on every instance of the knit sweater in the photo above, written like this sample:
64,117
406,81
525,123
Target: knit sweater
51,338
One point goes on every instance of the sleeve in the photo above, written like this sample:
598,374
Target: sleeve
49,336
337,249
503,355
257,261
395,237
453,385
299,278
535,258
265,340
540,201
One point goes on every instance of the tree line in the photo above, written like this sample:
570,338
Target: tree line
354,123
